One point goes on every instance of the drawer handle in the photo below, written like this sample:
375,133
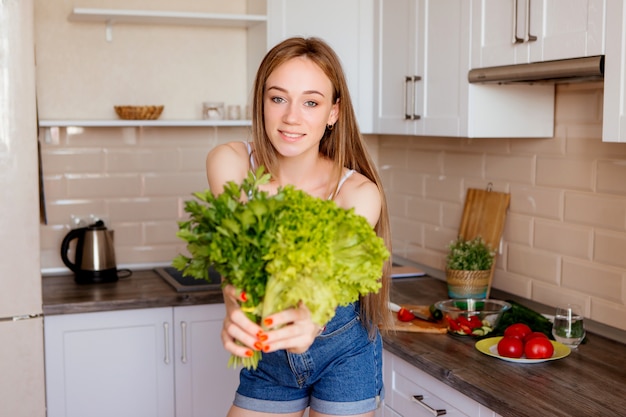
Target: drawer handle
183,332
529,37
435,412
166,334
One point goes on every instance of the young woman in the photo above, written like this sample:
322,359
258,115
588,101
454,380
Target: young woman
305,134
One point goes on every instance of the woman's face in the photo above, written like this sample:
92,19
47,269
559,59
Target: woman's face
298,104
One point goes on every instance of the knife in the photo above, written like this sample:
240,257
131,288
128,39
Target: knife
395,308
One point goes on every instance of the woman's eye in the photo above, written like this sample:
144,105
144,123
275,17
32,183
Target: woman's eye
310,103
278,99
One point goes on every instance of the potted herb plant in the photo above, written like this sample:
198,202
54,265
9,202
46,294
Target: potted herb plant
468,268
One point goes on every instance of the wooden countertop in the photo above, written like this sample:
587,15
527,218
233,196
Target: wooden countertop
591,381
588,382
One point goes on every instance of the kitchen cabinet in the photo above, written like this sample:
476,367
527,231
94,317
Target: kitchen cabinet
347,26
153,362
522,31
614,117
419,60
423,57
412,392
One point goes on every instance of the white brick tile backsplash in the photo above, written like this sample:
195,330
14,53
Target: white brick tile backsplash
72,160
174,184
444,188
143,209
603,282
518,229
605,211
533,263
537,201
463,165
103,186
611,176
518,169
566,172
424,210
610,248
563,239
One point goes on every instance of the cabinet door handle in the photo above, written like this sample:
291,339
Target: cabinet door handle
166,333
408,81
183,333
515,38
409,88
529,37
435,412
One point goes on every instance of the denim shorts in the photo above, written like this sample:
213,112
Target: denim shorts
340,374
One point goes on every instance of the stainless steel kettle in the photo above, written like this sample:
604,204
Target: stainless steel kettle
94,259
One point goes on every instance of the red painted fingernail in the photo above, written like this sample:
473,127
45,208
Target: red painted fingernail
243,296
266,348
262,337
258,346
268,321
249,353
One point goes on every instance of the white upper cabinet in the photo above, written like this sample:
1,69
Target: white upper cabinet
420,50
422,60
506,32
347,26
614,118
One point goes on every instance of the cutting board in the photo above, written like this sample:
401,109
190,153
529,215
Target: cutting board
484,215
417,325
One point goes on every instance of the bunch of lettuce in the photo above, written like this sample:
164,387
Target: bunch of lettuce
281,250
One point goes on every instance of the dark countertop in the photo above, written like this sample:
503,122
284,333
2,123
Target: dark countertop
143,289
591,381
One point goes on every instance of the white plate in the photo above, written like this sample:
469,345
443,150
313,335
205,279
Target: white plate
490,347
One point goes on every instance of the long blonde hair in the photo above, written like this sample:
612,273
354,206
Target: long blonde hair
342,144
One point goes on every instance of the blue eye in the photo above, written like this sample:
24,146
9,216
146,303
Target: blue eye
278,99
310,103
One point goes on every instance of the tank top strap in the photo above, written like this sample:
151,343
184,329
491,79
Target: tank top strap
250,156
343,179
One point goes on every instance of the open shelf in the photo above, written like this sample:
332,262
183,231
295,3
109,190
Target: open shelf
164,17
147,123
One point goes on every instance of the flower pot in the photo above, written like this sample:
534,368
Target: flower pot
468,284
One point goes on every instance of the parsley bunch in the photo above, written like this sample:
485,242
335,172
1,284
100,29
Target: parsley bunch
281,250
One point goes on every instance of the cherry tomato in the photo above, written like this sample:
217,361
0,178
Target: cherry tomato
453,323
475,322
519,330
538,348
532,335
511,347
405,315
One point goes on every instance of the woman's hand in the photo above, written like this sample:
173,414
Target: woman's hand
238,327
294,330
291,329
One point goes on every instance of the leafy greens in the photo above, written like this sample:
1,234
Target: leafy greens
281,250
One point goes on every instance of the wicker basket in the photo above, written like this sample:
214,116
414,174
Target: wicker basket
138,112
468,284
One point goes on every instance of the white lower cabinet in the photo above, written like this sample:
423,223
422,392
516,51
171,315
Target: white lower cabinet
148,362
410,392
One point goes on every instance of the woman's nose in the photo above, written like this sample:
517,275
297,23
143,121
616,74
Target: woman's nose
292,113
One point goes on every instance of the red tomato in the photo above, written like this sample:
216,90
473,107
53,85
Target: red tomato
511,347
519,330
405,315
532,335
538,348
475,322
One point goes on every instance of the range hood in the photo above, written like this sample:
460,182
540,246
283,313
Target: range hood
561,71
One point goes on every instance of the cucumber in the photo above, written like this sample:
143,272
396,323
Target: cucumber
435,312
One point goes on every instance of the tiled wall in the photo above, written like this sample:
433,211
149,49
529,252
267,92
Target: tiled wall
134,178
565,234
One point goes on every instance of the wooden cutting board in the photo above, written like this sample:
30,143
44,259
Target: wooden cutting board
417,325
484,214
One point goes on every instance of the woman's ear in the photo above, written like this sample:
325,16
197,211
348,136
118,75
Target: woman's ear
334,114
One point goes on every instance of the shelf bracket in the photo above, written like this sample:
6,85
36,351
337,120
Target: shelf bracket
108,30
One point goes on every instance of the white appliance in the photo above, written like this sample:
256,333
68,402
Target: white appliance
22,383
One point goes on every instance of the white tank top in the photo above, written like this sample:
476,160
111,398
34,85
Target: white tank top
343,179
